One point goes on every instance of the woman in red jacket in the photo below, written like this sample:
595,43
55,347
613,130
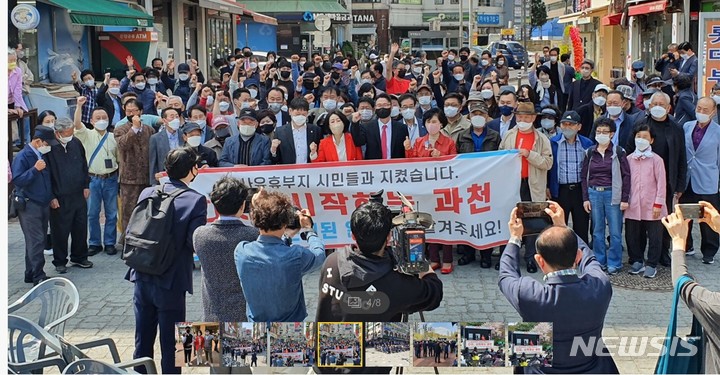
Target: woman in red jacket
339,146
434,144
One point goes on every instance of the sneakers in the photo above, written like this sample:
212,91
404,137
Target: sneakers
94,250
650,272
690,252
48,252
636,268
708,260
84,264
61,269
613,270
110,250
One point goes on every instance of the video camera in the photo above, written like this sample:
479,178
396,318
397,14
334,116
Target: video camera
408,234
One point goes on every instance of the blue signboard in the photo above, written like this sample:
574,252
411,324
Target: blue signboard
488,19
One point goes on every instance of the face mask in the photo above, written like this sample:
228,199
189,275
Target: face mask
569,133
702,118
433,128
101,124
50,125
506,110
553,58
302,62
335,75
614,111
408,114
12,66
183,76
90,83
383,112
658,112
284,74
364,81
545,84
309,85
174,124
267,128
424,100
140,85
253,65
458,77
366,114
451,57
114,90
209,100
284,108
599,101
201,123
486,94
275,107
417,70
477,121
223,106
65,140
685,56
253,93
247,130
395,112
402,73
716,98
642,144
602,139
639,75
500,62
451,111
524,125
484,62
299,119
585,72
646,104
194,141
330,104
222,133
152,81
243,105
44,149
547,124
337,128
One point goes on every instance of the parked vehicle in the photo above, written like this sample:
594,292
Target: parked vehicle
514,52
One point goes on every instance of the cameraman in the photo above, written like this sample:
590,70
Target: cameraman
270,271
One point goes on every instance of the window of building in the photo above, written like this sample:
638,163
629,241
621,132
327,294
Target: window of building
485,3
439,2
454,2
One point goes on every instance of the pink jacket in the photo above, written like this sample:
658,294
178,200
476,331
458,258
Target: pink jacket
647,187
15,81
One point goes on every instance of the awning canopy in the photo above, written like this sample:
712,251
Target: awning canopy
258,17
103,13
612,19
651,7
295,6
228,6
549,29
591,12
368,30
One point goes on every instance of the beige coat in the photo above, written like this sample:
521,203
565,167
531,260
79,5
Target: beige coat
540,160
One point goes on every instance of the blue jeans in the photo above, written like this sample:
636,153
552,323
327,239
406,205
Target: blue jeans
603,211
24,124
103,191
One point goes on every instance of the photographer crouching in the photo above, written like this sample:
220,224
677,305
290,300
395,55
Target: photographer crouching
270,269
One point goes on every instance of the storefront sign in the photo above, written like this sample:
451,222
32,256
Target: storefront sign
363,18
470,195
335,17
507,32
488,19
448,17
653,7
137,36
709,58
25,17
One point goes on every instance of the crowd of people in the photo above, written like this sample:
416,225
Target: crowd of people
238,353
472,357
202,346
439,349
536,360
334,351
388,346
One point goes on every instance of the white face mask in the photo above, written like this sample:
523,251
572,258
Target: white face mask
114,90
602,139
140,85
223,106
545,84
247,130
50,125
330,104
646,104
202,123
90,83
599,101
253,65
458,77
417,70
408,114
614,111
194,141
642,144
44,149
366,114
284,108
553,58
547,124
183,76
253,93
152,81
244,105
299,119
451,111
586,72
484,62
486,94
524,126
364,81
65,140
702,118
424,100
395,111
658,112
716,98
639,75
477,121
500,62
337,128
101,124
451,57
174,124
209,100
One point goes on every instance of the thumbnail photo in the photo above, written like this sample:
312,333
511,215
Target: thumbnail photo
483,344
340,344
244,344
387,344
530,344
197,344
292,344
435,344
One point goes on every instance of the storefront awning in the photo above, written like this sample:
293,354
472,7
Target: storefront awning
612,20
295,6
103,13
569,18
228,6
651,7
590,12
258,17
369,30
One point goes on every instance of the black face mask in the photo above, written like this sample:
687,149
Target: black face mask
267,128
463,57
222,133
247,54
402,73
285,74
335,75
309,85
383,112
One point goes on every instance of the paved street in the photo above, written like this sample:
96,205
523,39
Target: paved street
430,361
471,294
377,358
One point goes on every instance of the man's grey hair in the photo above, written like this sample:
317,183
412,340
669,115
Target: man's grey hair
661,94
63,124
672,46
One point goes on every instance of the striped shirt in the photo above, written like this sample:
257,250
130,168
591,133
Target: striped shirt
570,158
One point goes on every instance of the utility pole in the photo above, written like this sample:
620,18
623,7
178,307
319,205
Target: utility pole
524,38
470,23
460,22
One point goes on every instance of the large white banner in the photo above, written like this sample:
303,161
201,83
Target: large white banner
469,195
480,344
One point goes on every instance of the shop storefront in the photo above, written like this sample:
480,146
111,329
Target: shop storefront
370,28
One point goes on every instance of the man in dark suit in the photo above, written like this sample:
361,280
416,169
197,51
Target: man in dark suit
688,64
624,122
275,101
108,97
575,287
169,138
249,147
685,99
159,300
667,62
383,137
581,91
506,104
589,112
293,144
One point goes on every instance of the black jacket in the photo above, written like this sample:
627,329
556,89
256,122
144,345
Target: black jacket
105,101
207,157
578,97
465,143
587,118
367,133
286,151
68,168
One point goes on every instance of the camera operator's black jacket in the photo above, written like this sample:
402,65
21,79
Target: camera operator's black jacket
347,273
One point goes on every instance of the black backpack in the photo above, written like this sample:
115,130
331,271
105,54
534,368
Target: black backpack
149,242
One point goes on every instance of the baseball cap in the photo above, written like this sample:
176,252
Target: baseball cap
655,81
190,126
603,87
478,106
638,64
627,91
219,120
338,66
475,96
45,133
183,68
548,112
571,117
417,61
650,91
248,113
424,87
